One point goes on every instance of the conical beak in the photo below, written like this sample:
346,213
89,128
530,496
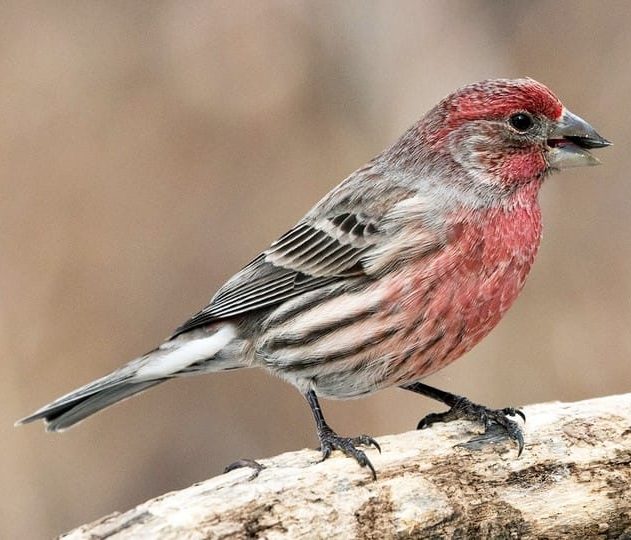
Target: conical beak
569,142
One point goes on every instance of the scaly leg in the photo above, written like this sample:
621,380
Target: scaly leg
329,440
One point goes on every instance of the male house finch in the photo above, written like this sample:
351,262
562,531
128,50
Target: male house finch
395,273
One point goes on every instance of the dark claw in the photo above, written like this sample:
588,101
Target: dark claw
330,441
239,464
372,470
365,440
520,441
465,410
433,418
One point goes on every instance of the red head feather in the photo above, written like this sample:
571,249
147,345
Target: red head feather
489,100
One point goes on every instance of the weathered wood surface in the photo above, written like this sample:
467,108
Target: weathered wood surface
572,481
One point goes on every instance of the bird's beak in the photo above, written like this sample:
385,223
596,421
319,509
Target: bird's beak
570,140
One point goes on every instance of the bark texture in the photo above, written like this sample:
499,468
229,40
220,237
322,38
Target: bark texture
572,481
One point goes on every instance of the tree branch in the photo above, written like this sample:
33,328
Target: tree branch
572,481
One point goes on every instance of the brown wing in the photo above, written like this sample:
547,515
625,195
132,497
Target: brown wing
307,257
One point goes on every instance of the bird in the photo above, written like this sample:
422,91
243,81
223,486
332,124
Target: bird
395,273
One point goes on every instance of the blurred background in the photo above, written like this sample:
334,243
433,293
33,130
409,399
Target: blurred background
150,149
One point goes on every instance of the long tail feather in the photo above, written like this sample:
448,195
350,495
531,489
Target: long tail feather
199,351
61,415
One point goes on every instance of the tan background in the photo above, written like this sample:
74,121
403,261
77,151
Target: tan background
149,149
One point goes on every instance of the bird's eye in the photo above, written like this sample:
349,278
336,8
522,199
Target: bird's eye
522,122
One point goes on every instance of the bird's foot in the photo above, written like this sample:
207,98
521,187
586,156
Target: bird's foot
329,441
239,464
491,419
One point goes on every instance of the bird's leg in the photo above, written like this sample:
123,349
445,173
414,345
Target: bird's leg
462,408
329,440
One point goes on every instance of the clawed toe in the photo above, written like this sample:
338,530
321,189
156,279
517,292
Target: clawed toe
365,440
330,441
511,411
511,428
490,418
241,463
433,418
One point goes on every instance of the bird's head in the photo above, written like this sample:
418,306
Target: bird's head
509,132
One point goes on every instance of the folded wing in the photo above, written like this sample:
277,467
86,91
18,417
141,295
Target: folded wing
307,257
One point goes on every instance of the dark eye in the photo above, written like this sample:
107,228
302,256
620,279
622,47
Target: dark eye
522,122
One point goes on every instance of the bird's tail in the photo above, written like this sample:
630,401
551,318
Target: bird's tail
207,350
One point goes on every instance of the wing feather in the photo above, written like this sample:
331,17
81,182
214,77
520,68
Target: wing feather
309,256
330,244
